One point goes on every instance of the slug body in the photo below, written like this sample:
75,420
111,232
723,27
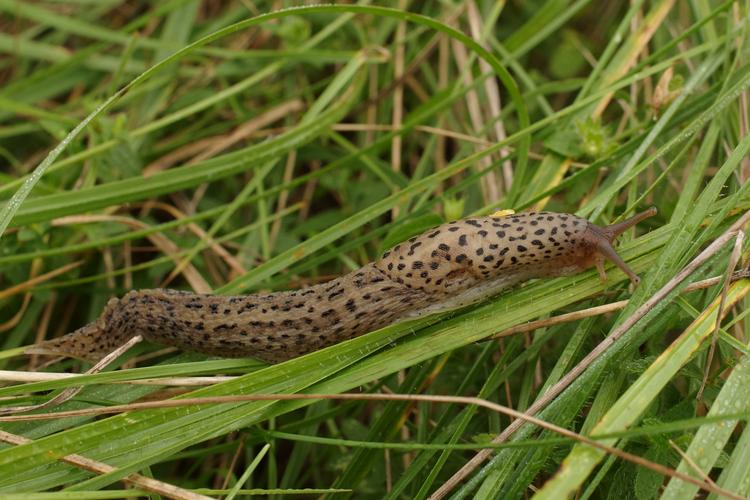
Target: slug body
452,265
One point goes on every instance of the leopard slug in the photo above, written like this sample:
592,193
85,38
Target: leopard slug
449,266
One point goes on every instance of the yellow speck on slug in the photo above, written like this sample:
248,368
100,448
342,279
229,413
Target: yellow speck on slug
503,213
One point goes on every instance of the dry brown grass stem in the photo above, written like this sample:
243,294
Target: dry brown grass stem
136,480
71,392
607,308
734,259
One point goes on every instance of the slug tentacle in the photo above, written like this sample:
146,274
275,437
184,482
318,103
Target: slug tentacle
603,237
452,265
614,230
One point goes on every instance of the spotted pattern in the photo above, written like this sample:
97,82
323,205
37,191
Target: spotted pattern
473,250
439,269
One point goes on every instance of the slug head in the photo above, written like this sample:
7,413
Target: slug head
600,239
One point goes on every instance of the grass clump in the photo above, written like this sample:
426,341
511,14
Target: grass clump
232,147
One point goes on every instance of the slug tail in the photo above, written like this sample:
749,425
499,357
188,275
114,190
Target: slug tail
84,343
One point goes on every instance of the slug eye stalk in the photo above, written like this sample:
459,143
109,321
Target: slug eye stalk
605,236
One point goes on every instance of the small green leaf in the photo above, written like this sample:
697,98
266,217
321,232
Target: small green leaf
453,207
647,482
